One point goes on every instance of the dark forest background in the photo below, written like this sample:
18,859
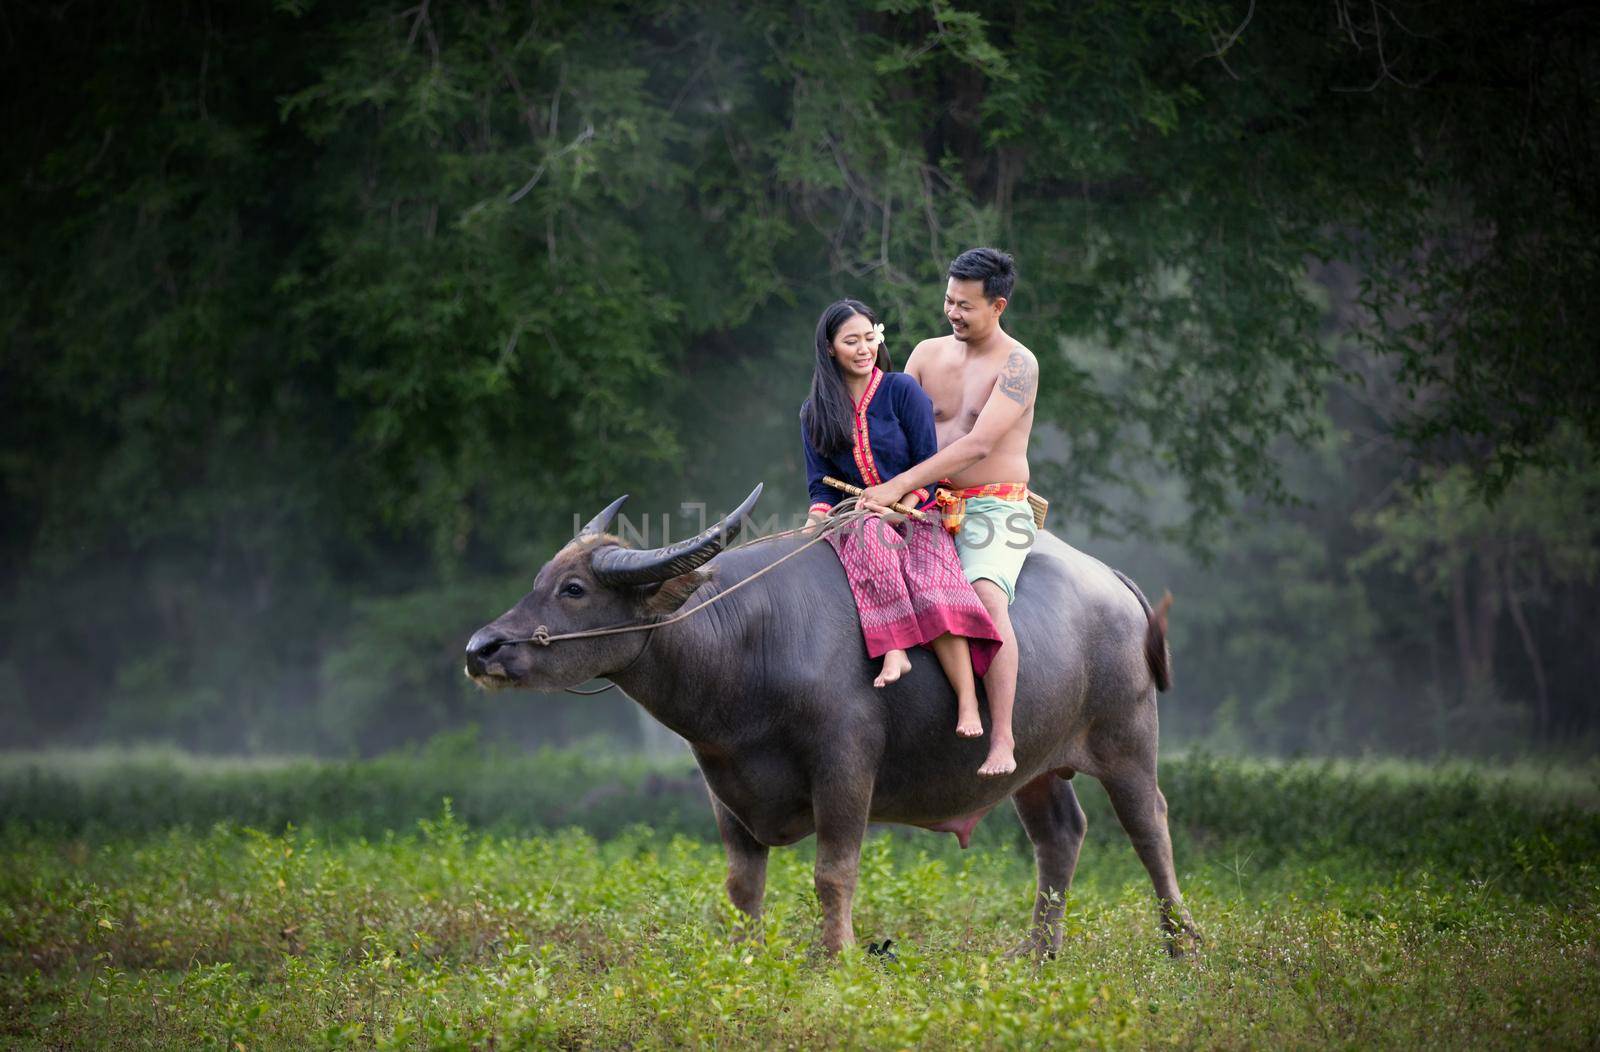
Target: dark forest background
322,320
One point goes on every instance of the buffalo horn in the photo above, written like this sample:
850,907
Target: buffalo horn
602,522
631,566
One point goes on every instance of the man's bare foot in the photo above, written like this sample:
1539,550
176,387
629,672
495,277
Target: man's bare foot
895,665
1000,761
968,723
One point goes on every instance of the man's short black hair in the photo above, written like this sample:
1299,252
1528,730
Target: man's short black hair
996,269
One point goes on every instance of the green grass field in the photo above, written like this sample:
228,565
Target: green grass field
148,900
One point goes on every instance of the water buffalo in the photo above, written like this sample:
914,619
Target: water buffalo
772,689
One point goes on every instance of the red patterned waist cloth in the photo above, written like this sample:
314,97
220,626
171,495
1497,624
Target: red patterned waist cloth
952,501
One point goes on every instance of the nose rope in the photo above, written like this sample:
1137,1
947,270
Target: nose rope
838,521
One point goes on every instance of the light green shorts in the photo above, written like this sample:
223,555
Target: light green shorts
995,537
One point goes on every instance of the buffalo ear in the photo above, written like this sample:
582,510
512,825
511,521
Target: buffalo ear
673,592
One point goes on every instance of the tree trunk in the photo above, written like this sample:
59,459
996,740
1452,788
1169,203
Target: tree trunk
1486,615
1541,685
1473,613
1461,620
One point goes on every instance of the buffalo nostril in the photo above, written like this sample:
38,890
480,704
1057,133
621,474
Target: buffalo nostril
484,643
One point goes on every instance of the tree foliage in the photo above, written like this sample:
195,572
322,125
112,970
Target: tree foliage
311,302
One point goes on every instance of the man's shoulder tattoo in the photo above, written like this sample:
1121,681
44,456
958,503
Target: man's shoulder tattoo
1019,376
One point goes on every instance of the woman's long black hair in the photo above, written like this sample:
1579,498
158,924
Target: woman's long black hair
829,414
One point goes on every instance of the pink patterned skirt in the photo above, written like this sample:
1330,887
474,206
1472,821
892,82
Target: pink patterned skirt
909,588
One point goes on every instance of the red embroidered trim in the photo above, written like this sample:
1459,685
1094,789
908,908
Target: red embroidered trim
819,506
863,440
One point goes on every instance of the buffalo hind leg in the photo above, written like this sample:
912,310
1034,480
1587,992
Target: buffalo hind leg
1142,811
747,865
1055,824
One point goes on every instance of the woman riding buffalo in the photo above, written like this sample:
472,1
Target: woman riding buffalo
862,424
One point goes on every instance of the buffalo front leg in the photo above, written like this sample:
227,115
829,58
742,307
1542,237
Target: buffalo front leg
841,818
747,864
1055,824
1143,812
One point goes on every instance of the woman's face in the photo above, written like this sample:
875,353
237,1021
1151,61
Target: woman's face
855,347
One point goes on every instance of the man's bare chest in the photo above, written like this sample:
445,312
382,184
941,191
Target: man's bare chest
958,395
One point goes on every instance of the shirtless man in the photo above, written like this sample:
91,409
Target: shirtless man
983,384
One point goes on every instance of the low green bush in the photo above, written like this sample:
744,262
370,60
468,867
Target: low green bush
1493,823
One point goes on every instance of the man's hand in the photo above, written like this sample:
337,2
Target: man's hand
879,498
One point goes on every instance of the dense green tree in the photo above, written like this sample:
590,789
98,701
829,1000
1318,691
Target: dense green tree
1494,565
320,316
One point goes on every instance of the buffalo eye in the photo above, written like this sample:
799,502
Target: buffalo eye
572,590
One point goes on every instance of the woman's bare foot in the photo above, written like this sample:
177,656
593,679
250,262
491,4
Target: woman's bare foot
1000,760
968,723
895,665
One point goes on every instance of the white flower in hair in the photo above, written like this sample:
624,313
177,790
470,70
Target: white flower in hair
878,328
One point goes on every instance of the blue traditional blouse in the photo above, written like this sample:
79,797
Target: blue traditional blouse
893,430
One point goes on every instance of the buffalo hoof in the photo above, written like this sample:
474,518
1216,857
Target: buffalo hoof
831,948
1186,941
1036,947
1183,938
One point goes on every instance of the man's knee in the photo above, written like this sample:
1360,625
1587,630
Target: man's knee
993,598
988,589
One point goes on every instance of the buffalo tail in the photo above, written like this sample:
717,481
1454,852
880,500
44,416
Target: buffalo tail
1156,652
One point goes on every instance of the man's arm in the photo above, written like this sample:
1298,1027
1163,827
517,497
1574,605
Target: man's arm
1014,391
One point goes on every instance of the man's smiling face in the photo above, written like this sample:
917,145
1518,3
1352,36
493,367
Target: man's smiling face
972,317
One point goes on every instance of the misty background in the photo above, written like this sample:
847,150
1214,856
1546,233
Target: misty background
322,321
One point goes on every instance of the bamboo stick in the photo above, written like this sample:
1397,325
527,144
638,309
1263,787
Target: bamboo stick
856,491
